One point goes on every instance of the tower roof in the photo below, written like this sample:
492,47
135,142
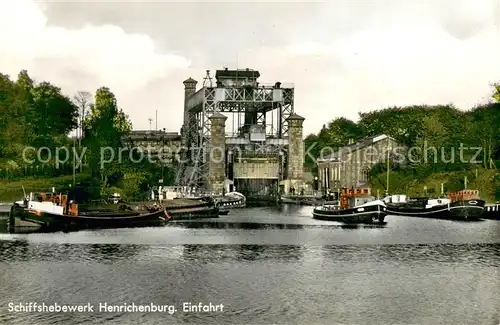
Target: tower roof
218,115
239,73
190,80
295,117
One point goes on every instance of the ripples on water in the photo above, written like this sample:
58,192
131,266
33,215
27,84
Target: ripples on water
411,271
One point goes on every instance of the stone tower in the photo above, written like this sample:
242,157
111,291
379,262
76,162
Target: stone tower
217,163
295,167
189,90
186,132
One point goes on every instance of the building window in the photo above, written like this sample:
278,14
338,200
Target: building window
365,175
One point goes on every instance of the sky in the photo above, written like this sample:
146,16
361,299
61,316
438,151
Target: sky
344,57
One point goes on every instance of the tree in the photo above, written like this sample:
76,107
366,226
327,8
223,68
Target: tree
402,123
82,100
54,113
105,126
486,127
340,131
337,134
15,111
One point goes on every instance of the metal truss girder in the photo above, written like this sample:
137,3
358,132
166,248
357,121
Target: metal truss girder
199,147
286,112
286,109
262,94
261,118
250,94
258,148
234,107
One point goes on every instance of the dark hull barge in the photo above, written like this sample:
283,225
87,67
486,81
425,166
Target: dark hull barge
459,206
460,210
356,206
491,211
50,221
368,214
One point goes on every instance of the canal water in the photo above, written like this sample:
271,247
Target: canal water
266,266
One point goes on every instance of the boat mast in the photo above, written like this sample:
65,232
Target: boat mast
338,196
388,169
74,160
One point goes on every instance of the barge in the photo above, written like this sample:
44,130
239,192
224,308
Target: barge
462,205
356,206
57,212
492,211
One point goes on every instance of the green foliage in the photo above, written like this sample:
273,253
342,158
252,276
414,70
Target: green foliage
54,114
331,137
40,115
31,115
487,182
496,93
104,127
13,190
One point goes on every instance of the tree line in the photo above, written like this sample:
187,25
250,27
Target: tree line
38,115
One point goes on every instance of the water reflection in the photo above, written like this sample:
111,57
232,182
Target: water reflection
216,224
22,250
260,284
485,254
242,252
15,251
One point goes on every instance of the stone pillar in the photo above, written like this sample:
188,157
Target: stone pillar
295,147
217,163
189,90
186,130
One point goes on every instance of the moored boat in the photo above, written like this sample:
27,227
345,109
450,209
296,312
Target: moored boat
462,205
53,212
355,206
193,213
491,211
231,200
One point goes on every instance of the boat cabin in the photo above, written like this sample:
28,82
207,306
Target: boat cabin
353,197
400,198
51,203
434,202
464,195
359,200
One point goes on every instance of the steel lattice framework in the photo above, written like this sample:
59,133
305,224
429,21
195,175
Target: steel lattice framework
239,99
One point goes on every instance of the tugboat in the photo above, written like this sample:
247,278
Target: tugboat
354,206
462,205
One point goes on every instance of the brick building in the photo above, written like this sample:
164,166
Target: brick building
350,165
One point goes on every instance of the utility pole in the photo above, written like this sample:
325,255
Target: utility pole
388,168
163,159
74,162
156,120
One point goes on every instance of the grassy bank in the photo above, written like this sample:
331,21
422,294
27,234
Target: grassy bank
13,190
487,181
